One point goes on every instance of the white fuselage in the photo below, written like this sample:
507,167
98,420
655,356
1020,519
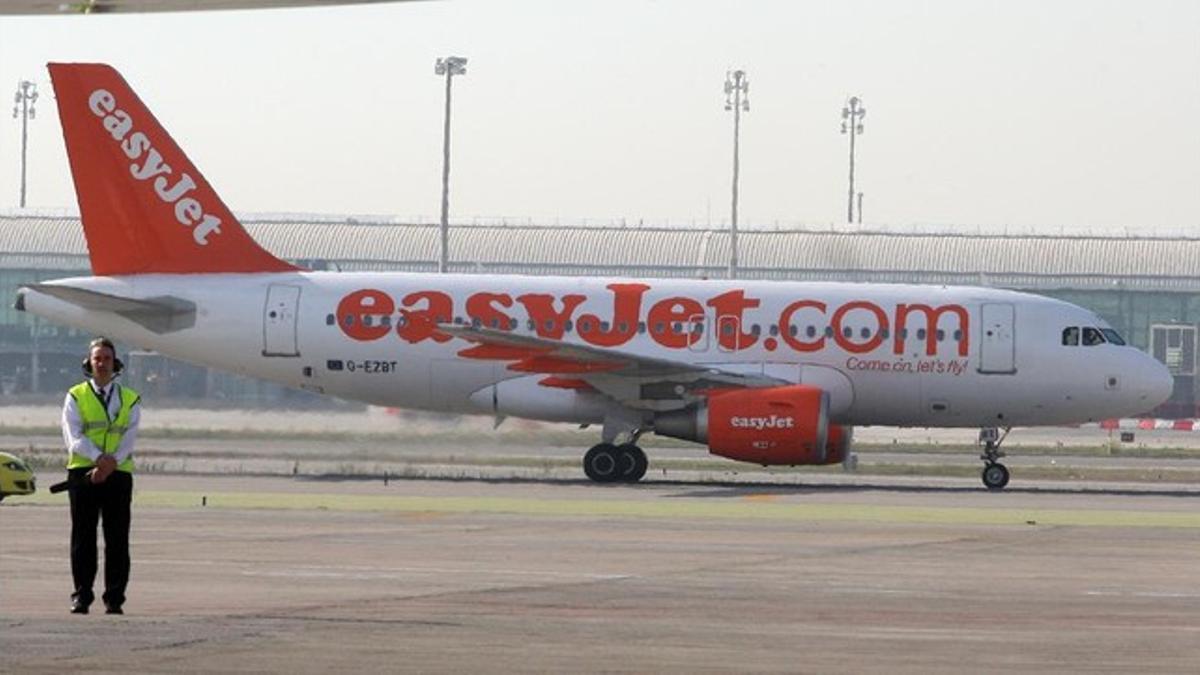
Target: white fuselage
889,354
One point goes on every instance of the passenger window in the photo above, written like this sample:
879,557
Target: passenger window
958,336
920,333
512,324
773,330
642,327
941,335
330,319
828,331
1071,336
658,328
1092,336
530,325
754,330
568,325
385,320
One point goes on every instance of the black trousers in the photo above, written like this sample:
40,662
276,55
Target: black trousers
90,503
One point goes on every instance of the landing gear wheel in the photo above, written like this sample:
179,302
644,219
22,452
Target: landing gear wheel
602,463
632,463
995,476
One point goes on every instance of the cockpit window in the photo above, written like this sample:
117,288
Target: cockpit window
1071,336
1113,337
1092,336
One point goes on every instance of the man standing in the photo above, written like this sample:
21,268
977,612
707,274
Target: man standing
99,423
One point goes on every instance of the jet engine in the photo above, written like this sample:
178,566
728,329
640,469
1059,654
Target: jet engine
779,425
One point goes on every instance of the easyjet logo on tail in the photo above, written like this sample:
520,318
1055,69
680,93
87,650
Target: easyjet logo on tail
137,146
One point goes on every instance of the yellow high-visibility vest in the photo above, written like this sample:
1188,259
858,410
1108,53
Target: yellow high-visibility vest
106,434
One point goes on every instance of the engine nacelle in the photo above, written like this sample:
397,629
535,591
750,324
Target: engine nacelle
837,446
780,425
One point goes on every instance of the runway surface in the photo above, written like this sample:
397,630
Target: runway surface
240,574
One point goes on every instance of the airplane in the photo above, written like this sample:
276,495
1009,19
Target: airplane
767,372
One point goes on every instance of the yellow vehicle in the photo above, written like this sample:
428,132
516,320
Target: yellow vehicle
15,477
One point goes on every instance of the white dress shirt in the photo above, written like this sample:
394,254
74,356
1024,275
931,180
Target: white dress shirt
72,424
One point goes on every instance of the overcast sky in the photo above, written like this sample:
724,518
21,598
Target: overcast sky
981,113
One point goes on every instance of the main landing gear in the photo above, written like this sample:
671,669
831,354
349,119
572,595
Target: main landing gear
609,463
995,474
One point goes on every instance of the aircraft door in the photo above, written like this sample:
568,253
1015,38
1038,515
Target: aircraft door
279,320
997,339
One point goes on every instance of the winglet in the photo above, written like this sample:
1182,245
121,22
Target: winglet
145,207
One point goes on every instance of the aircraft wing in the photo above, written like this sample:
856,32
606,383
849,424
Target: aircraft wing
637,381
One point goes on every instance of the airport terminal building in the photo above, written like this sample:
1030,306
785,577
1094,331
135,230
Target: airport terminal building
1147,287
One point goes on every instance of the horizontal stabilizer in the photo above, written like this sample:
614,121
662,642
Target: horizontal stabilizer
160,314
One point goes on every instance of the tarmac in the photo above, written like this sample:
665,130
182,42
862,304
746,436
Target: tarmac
250,574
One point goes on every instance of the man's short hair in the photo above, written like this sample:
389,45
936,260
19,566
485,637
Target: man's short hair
102,342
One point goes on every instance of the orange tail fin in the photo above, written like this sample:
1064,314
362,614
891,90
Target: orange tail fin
145,207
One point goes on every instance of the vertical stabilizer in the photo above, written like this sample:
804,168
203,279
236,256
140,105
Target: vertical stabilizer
145,207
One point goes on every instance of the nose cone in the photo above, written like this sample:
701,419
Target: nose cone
1152,384
1158,383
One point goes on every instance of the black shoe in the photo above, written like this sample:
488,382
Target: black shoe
78,608
112,609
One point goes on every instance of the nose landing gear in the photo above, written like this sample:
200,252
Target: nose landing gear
995,474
